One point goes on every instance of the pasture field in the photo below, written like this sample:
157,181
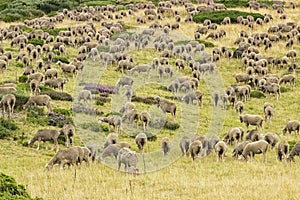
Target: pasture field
173,176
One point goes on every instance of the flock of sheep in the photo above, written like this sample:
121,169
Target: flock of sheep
87,38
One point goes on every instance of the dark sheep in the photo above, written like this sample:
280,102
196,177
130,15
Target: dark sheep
141,140
195,148
221,149
166,145
166,106
282,150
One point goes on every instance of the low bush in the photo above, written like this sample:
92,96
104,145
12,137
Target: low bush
94,126
54,31
62,111
206,43
36,41
57,119
146,100
61,59
62,96
23,79
292,144
257,94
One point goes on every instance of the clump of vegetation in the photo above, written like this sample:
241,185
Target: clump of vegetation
94,126
57,119
62,111
98,88
6,128
54,31
103,48
36,41
9,189
257,94
62,96
146,100
19,64
206,43
239,3
23,79
292,144
61,59
218,16
171,125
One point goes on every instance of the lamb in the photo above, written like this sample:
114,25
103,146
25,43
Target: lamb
141,140
195,148
165,145
221,149
292,125
294,152
69,132
113,120
233,134
128,158
239,148
45,135
166,106
145,117
249,119
57,83
93,147
239,107
253,148
68,156
269,113
8,100
39,100
85,95
184,144
67,68
125,80
271,138
282,150
112,138
141,68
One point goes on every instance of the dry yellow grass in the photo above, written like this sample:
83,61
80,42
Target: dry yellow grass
183,179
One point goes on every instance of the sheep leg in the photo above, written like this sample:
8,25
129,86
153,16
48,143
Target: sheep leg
49,107
39,140
265,158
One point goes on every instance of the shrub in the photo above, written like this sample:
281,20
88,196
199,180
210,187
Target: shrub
206,43
95,127
292,144
54,31
35,112
57,119
103,48
5,133
62,96
36,41
52,14
61,59
20,64
218,16
98,88
9,189
41,121
257,94
23,79
146,100
10,17
62,111
9,125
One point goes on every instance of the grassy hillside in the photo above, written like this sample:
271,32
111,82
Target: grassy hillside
173,176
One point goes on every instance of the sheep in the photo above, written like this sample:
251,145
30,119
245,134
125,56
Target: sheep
114,120
294,152
292,125
28,70
69,156
7,89
249,119
233,134
141,68
141,140
239,148
34,87
37,76
271,88
45,135
112,138
85,95
8,100
132,115
208,144
242,78
166,106
69,132
111,150
128,158
252,135
239,107
282,150
125,80
269,113
191,96
67,68
253,148
165,145
39,100
195,148
184,145
51,73
215,96
57,83
271,138
127,106
85,155
289,78
93,147
221,149
145,117
128,92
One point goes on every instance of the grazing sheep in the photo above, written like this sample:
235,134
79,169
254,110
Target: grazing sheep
113,120
269,113
67,68
127,106
252,135
125,80
292,125
111,150
239,107
289,78
112,138
141,140
3,64
141,68
253,148
57,83
221,149
215,96
85,156
272,139
37,76
69,156
93,147
282,150
145,117
51,73
9,101
184,144
45,135
242,78
28,70
166,106
249,119
233,134
294,152
128,158
271,88
39,100
191,96
239,148
165,145
128,92
195,148
85,95
69,132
